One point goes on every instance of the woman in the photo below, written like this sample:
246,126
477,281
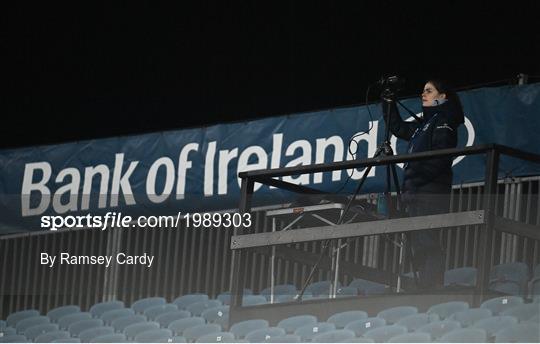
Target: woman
427,183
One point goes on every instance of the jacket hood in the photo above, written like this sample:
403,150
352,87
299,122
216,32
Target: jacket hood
450,109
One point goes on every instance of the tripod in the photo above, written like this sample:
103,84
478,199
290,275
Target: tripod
385,150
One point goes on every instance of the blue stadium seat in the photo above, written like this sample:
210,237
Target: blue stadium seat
510,278
166,318
87,336
523,312
132,331
180,325
394,314
154,336
14,318
359,327
307,332
218,337
218,315
99,308
178,339
50,336
366,287
25,324
252,300
183,301
263,334
288,338
3,325
141,305
321,288
465,335
68,319
110,338
241,329
346,291
463,277
439,328
292,323
341,319
500,304
418,337
494,324
58,312
198,307
67,340
14,338
153,312
446,309
37,330
384,333
83,325
8,331
193,333
109,316
121,323
414,321
280,289
358,340
470,316
225,297
519,333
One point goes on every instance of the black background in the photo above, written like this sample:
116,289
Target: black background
76,72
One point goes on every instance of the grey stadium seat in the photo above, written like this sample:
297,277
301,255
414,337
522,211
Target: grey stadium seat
470,316
89,335
154,336
132,331
439,328
110,338
183,301
166,318
58,312
463,277
446,309
394,314
35,331
359,327
341,319
141,305
218,315
121,323
263,334
280,289
526,332
500,304
67,340
509,278
288,338
153,312
68,319
225,297
50,336
415,321
494,324
83,325
109,316
191,334
241,329
465,335
252,300
25,324
198,307
99,308
179,326
307,332
14,338
292,323
418,337
384,333
218,337
366,287
523,312
14,318
321,288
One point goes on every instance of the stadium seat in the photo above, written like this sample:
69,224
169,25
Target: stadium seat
281,289
446,309
141,305
166,318
523,312
321,288
83,325
292,298
154,336
470,316
178,339
358,340
58,312
25,324
252,300
193,333
288,338
218,337
50,336
14,338
121,323
218,315
183,301
8,331
225,297
366,287
242,328
494,324
500,304
110,338
519,333
178,326
99,308
3,325
359,327
109,316
437,329
67,340
197,308
418,337
153,312
341,319
292,323
14,318
37,330
68,319
462,277
384,333
307,332
89,335
346,291
394,314
132,331
510,278
465,335
263,334
414,321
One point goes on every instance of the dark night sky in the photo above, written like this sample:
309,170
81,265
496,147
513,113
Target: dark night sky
102,70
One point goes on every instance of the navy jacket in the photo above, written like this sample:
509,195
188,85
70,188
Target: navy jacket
438,130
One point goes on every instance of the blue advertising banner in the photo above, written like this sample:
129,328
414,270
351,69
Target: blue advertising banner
196,169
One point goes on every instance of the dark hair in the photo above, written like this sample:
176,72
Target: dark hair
444,87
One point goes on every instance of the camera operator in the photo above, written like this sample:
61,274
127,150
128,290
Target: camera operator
427,184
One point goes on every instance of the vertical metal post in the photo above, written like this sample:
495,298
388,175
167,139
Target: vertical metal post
237,263
486,236
273,265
